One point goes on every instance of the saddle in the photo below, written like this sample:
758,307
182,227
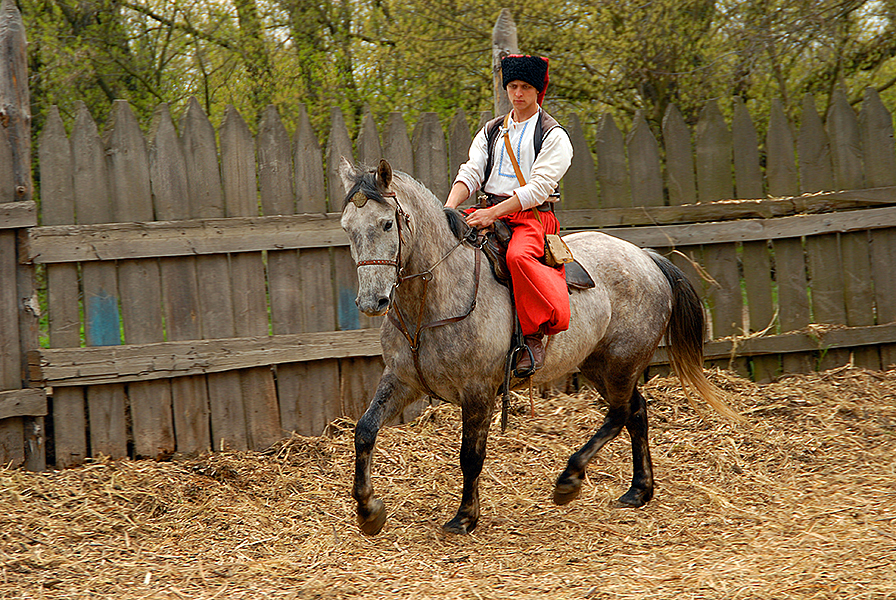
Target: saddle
494,243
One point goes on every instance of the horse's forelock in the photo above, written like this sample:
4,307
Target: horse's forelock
366,184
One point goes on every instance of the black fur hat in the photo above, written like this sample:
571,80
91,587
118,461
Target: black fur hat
531,69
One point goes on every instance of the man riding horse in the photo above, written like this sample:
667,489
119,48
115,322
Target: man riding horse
518,176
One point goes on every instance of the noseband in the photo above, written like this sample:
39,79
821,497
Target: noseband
402,218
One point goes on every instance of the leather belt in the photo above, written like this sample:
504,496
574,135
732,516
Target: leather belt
488,200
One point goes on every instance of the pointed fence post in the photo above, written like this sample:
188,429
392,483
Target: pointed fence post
679,158
780,163
612,172
644,164
180,286
504,42
579,183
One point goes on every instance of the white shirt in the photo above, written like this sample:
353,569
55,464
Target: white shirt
542,175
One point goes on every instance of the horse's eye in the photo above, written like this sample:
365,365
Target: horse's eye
387,226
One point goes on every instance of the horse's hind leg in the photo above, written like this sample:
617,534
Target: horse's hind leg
642,469
569,483
390,398
633,416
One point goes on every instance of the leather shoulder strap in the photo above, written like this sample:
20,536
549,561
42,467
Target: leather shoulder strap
491,136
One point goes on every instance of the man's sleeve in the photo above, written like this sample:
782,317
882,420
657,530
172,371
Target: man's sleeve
472,172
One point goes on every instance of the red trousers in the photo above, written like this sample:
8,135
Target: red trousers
542,299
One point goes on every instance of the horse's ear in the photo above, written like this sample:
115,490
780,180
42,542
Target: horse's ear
384,174
347,173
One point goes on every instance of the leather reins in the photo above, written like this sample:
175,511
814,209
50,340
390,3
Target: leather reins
426,276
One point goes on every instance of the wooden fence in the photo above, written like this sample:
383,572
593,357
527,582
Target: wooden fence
200,293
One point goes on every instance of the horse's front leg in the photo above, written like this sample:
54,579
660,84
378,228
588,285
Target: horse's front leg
477,417
391,397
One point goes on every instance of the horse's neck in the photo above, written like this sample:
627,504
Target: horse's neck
434,249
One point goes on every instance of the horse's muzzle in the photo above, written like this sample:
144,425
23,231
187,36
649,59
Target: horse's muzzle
373,305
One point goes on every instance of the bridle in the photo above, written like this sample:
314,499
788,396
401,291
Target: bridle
395,316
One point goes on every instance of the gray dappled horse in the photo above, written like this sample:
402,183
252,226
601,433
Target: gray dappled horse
449,331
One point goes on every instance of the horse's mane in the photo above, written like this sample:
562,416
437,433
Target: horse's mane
456,221
365,182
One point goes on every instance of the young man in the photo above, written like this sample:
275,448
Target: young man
543,151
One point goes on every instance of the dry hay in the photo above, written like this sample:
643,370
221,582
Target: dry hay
800,502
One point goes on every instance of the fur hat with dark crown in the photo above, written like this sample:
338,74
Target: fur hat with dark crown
531,69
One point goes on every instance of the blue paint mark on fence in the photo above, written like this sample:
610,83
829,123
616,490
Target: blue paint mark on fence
103,323
348,315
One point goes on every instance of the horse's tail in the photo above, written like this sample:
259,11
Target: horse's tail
685,338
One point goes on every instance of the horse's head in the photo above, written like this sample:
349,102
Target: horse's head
373,220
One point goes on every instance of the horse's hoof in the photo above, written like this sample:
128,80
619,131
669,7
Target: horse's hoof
566,492
460,525
635,498
373,522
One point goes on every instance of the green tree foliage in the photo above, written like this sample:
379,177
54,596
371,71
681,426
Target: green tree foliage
620,56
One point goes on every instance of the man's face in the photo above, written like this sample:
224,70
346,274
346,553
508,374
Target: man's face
523,96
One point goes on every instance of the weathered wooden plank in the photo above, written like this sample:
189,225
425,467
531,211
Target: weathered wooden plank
397,146
825,269
82,243
368,143
58,207
195,237
747,174
10,344
815,340
726,210
275,176
883,257
152,422
814,150
780,164
858,290
319,316
142,362
612,171
751,230
431,155
679,158
644,164
842,127
876,132
724,297
311,191
339,146
18,215
713,163
458,143
579,183
180,287
359,379
23,403
105,404
793,300
757,269
15,98
213,278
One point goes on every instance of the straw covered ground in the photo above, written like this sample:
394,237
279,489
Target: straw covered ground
799,502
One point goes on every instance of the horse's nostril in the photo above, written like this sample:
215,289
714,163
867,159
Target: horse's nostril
382,304
357,302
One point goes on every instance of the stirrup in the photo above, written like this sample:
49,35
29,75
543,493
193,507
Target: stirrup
524,373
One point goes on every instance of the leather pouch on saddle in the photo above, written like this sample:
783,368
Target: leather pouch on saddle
495,241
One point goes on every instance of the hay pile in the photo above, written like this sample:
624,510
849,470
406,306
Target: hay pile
798,503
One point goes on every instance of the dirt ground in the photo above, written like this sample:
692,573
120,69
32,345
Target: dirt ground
798,502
